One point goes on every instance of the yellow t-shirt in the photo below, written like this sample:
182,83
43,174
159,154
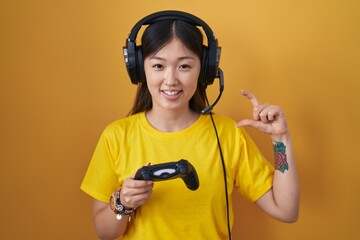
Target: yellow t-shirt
173,211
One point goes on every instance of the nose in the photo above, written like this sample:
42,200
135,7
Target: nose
170,77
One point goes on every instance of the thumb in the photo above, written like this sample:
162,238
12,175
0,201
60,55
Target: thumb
247,122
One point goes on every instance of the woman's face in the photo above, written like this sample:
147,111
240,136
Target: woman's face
172,76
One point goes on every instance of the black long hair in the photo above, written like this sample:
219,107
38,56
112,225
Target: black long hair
155,37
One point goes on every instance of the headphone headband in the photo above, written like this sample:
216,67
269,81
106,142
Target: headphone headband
172,15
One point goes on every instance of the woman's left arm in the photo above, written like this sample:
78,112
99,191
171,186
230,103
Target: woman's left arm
282,200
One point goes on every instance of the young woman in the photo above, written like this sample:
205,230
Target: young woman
166,125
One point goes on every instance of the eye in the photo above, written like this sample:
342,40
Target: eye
185,66
158,66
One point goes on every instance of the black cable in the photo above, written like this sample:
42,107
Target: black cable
208,109
224,172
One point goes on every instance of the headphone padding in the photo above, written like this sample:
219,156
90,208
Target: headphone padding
140,64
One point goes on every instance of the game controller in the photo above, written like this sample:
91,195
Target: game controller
171,170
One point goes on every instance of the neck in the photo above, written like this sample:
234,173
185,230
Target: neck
171,121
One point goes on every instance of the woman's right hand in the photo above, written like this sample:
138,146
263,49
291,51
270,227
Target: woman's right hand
135,193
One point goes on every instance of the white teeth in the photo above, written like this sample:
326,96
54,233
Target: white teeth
171,93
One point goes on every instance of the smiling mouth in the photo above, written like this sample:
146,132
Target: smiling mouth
171,93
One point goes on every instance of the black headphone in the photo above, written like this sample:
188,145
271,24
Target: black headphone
133,53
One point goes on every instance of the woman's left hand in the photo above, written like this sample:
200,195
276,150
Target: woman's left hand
267,118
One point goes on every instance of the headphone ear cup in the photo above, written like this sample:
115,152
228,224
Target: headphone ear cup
140,65
131,61
212,60
204,65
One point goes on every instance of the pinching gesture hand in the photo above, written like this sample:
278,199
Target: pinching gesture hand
267,118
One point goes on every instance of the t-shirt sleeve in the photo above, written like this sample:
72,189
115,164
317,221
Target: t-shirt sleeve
255,174
100,180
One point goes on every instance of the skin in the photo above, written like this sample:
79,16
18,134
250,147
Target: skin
172,75
282,200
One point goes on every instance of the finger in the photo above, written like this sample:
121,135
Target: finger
269,113
273,113
141,183
141,199
135,201
260,112
247,123
129,193
136,191
131,183
251,97
263,127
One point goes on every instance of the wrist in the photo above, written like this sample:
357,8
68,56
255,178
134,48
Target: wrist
118,208
284,138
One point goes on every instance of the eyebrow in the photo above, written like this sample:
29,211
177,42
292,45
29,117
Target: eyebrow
180,58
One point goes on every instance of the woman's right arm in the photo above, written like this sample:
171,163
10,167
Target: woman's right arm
106,224
133,194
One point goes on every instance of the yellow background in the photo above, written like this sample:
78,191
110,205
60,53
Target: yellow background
62,79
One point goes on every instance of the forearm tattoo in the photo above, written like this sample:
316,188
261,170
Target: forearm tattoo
280,157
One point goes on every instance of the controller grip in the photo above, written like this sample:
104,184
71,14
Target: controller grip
191,178
143,174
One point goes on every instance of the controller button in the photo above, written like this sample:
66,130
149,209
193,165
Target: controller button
163,172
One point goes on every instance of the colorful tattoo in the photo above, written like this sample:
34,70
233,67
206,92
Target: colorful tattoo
280,157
